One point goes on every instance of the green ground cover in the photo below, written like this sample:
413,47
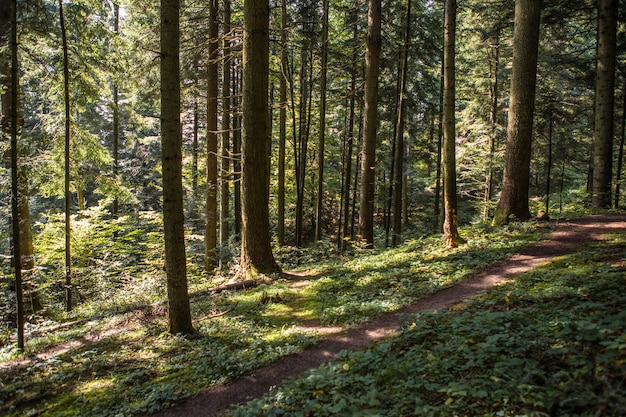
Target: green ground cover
550,343
136,366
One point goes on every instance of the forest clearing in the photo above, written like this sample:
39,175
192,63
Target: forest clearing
199,199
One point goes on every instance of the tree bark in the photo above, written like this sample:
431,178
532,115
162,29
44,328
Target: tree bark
256,251
171,158
9,78
210,236
399,152
237,154
494,126
370,120
282,139
346,230
68,120
451,221
226,112
513,202
116,121
322,138
620,154
604,104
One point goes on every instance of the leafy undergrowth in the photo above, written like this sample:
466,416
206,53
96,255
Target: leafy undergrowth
550,343
118,361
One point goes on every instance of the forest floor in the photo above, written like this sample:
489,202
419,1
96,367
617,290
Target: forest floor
569,236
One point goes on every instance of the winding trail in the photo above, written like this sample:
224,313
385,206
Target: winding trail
568,237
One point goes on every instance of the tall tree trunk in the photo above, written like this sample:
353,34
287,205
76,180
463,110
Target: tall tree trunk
8,75
301,128
195,148
620,155
282,139
604,104
549,173
438,170
226,112
68,120
210,236
494,126
9,122
237,153
171,156
370,120
322,139
399,153
451,221
346,231
256,250
513,200
116,121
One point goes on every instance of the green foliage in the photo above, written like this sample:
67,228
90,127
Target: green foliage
117,359
109,273
549,343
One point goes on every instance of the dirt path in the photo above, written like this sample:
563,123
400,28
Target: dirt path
568,237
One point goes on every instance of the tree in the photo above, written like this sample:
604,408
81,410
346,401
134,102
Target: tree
282,135
398,172
451,221
256,250
68,129
210,237
322,132
620,153
604,104
171,159
9,122
516,178
348,220
370,119
226,112
116,117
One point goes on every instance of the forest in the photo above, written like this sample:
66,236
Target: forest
192,191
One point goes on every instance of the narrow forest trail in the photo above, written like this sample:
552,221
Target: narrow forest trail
568,237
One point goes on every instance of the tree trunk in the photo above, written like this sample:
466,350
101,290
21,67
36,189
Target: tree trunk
620,155
195,147
494,127
256,250
320,152
451,221
237,154
68,119
301,126
171,155
604,104
370,116
513,200
116,121
226,112
549,163
210,236
9,80
346,233
438,170
399,152
282,140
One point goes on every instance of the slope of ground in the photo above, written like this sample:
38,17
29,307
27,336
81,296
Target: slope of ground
567,238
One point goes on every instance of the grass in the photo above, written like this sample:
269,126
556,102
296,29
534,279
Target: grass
138,367
549,343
